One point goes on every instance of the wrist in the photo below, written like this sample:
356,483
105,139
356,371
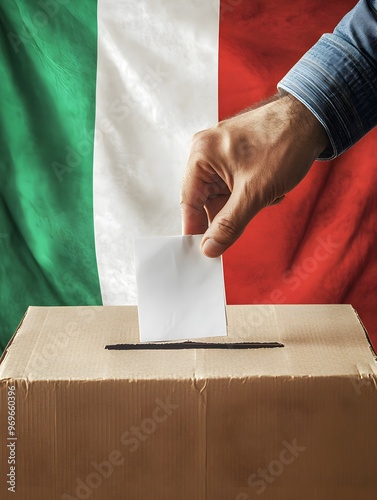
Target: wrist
306,124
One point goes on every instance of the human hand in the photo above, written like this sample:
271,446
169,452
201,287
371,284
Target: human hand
244,164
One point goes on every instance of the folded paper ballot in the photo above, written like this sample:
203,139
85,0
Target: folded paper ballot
180,291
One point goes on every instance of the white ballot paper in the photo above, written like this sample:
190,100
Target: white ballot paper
180,291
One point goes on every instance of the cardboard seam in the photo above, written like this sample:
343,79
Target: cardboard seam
206,445
277,329
56,468
5,353
202,394
365,332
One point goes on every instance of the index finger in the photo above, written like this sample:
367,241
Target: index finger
193,199
200,185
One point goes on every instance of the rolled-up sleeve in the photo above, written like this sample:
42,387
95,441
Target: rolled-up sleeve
337,79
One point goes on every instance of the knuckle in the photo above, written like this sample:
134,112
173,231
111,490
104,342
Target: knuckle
205,141
198,135
228,227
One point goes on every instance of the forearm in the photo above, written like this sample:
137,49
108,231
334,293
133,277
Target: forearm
337,79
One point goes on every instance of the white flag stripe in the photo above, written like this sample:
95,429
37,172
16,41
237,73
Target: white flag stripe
157,84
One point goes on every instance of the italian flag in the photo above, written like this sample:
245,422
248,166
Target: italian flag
99,101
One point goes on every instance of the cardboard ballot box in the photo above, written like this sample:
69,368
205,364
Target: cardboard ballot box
284,408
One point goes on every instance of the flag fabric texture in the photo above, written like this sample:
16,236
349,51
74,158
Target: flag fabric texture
99,100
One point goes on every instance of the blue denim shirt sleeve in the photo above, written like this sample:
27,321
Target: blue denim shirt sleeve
337,79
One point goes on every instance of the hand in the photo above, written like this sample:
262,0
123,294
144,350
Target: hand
244,164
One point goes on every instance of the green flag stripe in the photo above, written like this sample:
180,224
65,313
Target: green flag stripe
48,53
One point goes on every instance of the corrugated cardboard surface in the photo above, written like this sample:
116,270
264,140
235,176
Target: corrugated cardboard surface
285,423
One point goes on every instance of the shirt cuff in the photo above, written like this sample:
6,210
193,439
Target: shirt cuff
338,84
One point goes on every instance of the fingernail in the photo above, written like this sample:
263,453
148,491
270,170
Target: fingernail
212,248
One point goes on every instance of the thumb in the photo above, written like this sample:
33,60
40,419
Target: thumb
229,223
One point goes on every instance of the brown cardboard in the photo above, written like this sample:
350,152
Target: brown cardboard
297,422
